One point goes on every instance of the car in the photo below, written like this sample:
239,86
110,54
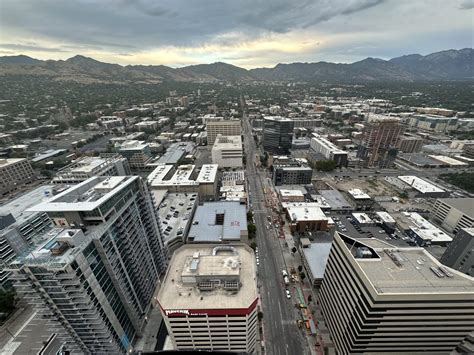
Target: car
343,229
288,294
381,232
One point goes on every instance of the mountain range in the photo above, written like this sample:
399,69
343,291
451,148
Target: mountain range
445,65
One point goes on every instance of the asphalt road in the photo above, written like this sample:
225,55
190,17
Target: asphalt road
281,334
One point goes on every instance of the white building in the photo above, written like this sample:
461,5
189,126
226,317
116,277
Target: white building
227,151
423,187
138,153
329,150
87,167
209,297
14,173
376,298
216,126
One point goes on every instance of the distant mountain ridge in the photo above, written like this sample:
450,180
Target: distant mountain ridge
445,65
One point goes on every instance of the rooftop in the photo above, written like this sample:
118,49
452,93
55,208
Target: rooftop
335,199
304,211
425,229
419,184
291,193
317,256
358,194
218,221
85,196
133,145
448,160
362,218
407,271
227,142
385,217
178,290
278,118
208,173
10,161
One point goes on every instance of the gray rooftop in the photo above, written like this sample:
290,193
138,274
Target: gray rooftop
335,199
317,256
205,229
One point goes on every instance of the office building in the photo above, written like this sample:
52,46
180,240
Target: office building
218,125
96,272
14,173
433,123
219,222
459,254
186,178
18,227
209,297
87,167
328,150
376,298
138,153
291,175
454,213
277,134
378,145
410,144
227,151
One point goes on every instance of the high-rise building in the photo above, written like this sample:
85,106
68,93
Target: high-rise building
87,167
378,146
138,153
218,125
19,228
14,173
227,151
277,134
454,213
377,298
410,144
96,272
328,150
209,297
460,252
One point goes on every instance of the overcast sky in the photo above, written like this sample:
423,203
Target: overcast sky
247,33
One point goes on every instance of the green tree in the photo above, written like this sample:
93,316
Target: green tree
300,268
325,165
249,216
302,276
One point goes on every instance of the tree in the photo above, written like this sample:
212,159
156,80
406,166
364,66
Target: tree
302,276
300,268
325,165
253,245
249,216
310,298
293,250
260,316
252,230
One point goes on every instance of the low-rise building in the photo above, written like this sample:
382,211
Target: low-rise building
87,167
292,175
363,219
361,199
219,222
14,173
209,297
314,258
306,217
291,195
423,232
227,151
423,187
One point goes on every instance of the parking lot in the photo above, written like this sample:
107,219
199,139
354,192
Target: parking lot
346,224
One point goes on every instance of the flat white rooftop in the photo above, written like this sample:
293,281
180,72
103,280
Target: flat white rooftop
86,196
448,160
176,295
208,173
419,184
358,194
407,271
362,218
385,217
425,230
291,193
304,211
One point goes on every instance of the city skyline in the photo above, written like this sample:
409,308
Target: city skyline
243,34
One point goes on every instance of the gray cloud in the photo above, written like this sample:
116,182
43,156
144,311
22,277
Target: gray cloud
30,47
467,5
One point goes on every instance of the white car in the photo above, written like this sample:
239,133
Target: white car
288,294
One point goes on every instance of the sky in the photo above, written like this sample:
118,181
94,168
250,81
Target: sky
246,33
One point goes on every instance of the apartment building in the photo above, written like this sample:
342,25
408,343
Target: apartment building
460,252
377,298
410,144
454,213
186,178
218,125
96,272
378,145
227,151
138,153
209,297
14,173
433,123
292,175
277,134
19,228
87,167
328,150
